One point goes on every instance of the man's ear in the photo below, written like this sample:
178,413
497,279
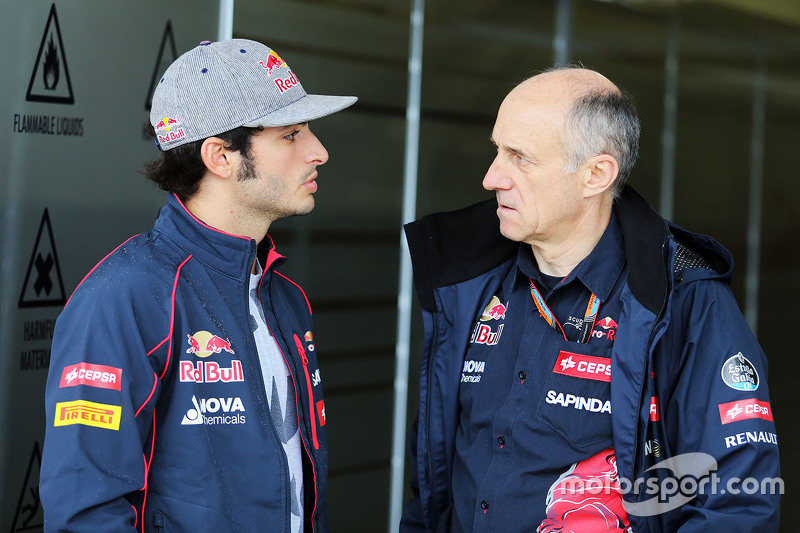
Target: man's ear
600,172
217,157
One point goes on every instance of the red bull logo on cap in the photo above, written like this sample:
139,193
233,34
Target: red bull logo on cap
204,343
166,124
494,311
273,61
169,129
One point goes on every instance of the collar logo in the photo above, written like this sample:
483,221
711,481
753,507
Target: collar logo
204,343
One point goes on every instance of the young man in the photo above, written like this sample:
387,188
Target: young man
575,339
184,392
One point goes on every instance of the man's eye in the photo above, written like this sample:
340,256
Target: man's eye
292,135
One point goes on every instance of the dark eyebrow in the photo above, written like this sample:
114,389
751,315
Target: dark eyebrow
291,126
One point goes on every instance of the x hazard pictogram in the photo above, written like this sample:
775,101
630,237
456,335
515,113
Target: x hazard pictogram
43,285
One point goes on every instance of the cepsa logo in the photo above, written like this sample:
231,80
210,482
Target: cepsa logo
583,366
743,410
87,413
204,343
101,376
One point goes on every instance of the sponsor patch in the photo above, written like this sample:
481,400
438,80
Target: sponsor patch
494,311
654,409
739,373
100,376
483,334
316,379
214,412
309,338
87,413
582,403
652,447
211,372
169,129
473,371
204,343
743,410
583,366
284,84
321,412
273,61
738,439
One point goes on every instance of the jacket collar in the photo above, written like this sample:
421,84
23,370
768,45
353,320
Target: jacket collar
229,254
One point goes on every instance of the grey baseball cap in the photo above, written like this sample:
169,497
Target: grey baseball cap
216,87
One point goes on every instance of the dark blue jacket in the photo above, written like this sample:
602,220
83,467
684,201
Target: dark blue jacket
688,376
157,416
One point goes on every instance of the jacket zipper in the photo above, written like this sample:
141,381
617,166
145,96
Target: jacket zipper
311,406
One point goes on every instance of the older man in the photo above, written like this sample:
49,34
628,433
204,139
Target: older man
583,343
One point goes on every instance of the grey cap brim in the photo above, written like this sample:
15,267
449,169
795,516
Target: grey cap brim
305,109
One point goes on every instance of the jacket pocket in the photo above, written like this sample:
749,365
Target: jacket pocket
576,399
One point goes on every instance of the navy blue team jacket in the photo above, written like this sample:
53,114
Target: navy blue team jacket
688,376
157,416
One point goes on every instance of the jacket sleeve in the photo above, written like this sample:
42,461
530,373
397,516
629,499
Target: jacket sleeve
99,400
719,405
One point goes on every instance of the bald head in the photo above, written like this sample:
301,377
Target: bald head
594,116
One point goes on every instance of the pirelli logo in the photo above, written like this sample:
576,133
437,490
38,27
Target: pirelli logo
88,413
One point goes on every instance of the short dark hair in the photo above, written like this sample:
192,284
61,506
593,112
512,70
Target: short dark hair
180,169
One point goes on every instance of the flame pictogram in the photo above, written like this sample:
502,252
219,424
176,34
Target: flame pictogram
51,66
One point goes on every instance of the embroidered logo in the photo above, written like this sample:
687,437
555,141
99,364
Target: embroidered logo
204,343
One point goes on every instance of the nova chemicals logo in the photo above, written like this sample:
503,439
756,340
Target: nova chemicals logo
739,373
214,412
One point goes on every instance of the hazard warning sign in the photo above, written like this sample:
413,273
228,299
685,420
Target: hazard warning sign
50,81
29,517
43,285
164,59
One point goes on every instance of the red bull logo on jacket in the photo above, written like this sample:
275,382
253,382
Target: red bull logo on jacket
587,497
605,328
204,343
494,311
211,372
